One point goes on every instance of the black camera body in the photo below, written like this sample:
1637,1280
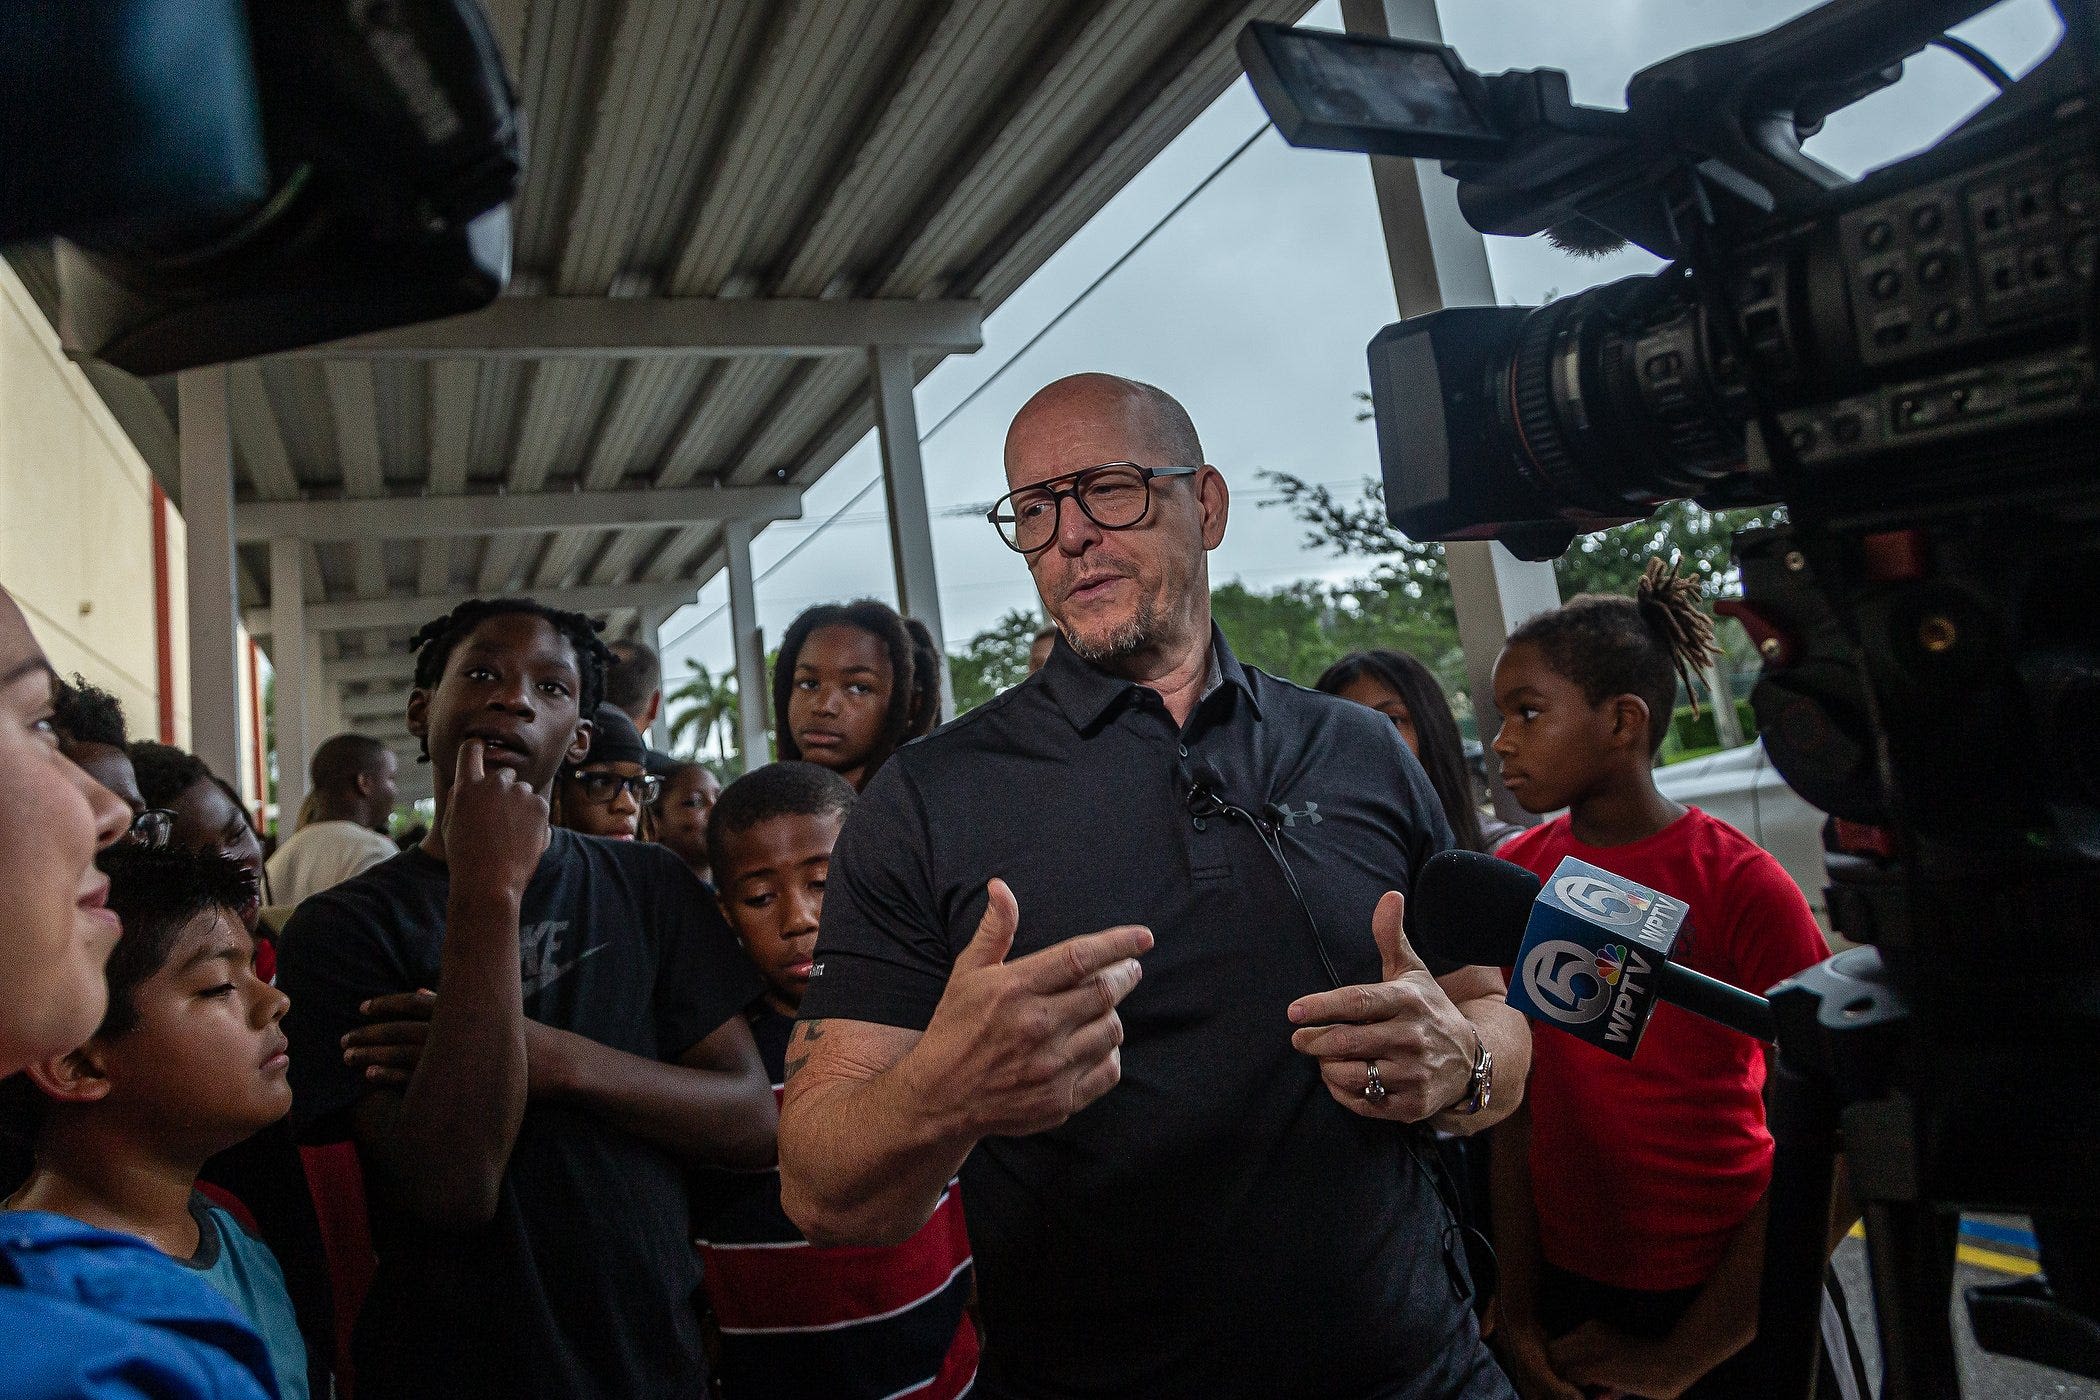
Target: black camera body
1907,362
1904,330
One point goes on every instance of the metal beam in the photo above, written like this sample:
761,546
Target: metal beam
288,657
384,704
352,615
536,512
749,646
541,327
388,666
650,635
1439,260
206,445
904,488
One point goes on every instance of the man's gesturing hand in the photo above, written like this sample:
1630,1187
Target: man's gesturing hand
495,826
1018,1047
1406,1025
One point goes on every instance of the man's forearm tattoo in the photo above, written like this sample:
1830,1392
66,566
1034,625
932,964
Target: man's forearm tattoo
804,1033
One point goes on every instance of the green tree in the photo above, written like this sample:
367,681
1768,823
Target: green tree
993,660
1286,633
1609,561
703,710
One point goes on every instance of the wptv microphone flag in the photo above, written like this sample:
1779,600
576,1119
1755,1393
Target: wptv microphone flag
1593,953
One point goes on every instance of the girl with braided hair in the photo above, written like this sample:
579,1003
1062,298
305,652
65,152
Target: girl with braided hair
1629,1196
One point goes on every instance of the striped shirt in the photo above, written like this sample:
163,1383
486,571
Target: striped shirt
803,1323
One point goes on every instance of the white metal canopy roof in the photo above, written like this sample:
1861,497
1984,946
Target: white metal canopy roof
726,204
731,210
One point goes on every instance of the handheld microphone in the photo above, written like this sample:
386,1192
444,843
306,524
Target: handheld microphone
1590,949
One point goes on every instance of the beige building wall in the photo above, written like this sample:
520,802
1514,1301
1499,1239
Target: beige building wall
76,526
76,531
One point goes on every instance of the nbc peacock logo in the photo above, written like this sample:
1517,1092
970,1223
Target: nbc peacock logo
1611,963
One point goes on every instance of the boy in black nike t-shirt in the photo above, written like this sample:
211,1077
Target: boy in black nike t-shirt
526,1126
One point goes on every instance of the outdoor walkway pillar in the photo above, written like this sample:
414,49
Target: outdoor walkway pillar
288,659
750,646
1440,260
324,702
206,447
659,735
904,488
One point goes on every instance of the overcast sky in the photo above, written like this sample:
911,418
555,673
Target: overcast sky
1253,304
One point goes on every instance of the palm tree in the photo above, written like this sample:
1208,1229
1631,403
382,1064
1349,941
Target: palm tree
704,711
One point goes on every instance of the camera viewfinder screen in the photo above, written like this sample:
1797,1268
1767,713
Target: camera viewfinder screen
1348,81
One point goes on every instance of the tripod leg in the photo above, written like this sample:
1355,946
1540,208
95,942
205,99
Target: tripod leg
1910,1255
1803,1119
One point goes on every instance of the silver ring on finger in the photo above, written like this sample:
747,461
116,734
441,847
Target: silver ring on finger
1374,1087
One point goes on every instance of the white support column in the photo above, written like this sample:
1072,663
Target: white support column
750,645
1440,260
288,643
206,446
324,701
904,488
659,735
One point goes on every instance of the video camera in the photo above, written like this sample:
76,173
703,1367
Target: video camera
231,178
1907,362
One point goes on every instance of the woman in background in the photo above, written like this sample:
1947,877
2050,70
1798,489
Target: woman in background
1403,690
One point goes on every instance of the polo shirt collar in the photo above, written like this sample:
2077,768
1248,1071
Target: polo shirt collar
1086,694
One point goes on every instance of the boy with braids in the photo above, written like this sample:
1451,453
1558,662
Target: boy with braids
530,1056
1629,1196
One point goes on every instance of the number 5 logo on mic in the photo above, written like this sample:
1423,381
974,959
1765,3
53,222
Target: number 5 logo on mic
1592,953
1602,900
1561,979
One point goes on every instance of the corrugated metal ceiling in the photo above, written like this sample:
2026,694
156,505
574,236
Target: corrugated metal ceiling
734,149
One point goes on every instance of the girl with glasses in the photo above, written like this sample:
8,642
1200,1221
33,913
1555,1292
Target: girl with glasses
609,793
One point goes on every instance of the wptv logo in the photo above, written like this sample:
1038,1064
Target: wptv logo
1591,954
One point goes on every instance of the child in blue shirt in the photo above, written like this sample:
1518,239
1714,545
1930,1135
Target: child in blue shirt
187,1062
85,1314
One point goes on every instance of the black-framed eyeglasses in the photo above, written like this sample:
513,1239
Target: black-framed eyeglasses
152,827
1114,495
600,788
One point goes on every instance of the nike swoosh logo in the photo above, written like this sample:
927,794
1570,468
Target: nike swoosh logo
547,977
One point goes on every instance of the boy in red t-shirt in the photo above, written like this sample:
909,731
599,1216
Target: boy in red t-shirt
1629,1197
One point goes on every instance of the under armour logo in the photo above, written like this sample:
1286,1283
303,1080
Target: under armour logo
1308,815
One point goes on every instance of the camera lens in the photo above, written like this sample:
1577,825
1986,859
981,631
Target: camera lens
1612,404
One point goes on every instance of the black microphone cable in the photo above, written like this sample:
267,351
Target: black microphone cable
1469,1257
1205,801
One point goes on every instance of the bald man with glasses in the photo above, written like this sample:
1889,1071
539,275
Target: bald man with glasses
1123,949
